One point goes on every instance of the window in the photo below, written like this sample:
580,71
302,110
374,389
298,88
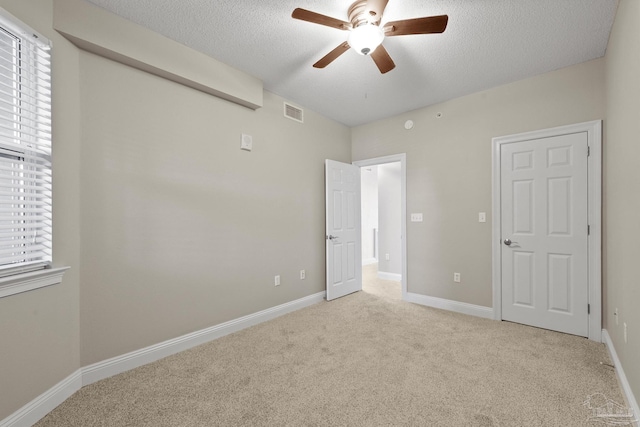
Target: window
25,149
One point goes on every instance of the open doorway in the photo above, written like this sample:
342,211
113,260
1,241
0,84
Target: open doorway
383,223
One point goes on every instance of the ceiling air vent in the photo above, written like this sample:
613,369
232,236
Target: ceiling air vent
294,113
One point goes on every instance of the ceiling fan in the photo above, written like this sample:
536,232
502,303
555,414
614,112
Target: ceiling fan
366,34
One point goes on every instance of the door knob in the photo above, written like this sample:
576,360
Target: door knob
330,237
507,242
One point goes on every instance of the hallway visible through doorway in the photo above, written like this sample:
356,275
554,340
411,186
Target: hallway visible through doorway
383,220
371,284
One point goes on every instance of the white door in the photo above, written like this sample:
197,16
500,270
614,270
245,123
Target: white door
544,232
344,265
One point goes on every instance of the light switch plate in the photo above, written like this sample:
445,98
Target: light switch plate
482,217
416,217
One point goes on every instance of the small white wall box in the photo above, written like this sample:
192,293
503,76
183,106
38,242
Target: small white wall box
246,142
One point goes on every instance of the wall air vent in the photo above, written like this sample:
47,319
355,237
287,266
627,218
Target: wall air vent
294,113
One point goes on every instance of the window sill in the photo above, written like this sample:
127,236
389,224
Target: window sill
24,282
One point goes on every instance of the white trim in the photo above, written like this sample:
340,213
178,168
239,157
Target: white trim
35,410
125,362
450,305
18,283
389,276
626,387
402,158
369,261
594,176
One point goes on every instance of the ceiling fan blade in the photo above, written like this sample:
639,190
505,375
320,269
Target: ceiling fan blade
382,59
316,18
426,25
331,56
377,6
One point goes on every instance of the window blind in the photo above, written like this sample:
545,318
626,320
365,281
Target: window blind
25,148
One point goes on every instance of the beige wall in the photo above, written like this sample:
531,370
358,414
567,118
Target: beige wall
622,188
390,218
449,169
39,330
181,230
369,210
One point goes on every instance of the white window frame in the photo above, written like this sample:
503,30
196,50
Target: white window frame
25,159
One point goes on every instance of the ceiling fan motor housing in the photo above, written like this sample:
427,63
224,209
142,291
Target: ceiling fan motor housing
359,14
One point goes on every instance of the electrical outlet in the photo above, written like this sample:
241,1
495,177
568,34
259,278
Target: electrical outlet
456,277
625,331
277,280
386,257
615,314
303,274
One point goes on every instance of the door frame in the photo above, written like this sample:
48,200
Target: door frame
594,215
402,158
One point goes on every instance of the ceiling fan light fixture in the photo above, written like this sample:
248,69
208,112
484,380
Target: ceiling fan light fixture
365,38
366,32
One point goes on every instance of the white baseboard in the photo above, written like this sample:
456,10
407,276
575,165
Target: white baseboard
626,387
46,402
369,261
383,275
35,410
445,304
125,362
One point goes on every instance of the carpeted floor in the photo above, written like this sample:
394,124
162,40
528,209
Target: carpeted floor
367,359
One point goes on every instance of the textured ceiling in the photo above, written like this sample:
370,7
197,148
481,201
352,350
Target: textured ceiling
487,43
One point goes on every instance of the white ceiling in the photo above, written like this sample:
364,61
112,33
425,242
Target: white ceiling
487,43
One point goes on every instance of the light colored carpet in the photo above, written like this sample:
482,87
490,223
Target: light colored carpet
363,360
378,287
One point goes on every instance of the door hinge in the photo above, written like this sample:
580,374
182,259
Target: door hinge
588,151
588,308
588,230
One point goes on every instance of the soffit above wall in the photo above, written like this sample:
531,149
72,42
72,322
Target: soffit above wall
96,30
